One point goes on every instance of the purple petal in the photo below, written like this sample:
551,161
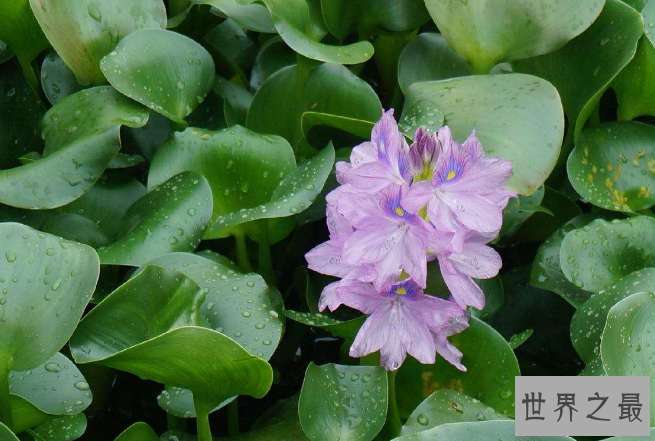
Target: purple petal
477,260
418,196
373,334
464,290
361,296
473,147
329,298
370,246
474,211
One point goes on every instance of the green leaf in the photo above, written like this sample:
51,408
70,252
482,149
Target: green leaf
84,31
254,17
236,101
138,432
518,210
171,350
330,89
233,48
66,428
517,340
291,19
634,92
295,193
6,434
486,33
590,319
556,209
107,202
546,270
357,127
483,431
339,328
21,32
25,415
600,253
251,166
55,387
166,71
343,17
20,116
613,166
428,57
82,135
57,80
172,217
76,228
47,283
491,367
445,407
517,117
583,69
343,402
272,56
625,345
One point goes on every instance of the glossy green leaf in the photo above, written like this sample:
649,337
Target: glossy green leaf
291,19
546,270
556,210
55,387
583,69
483,431
346,329
84,31
357,127
6,434
166,71
107,202
491,367
421,113
66,428
445,407
343,17
236,101
272,56
613,166
625,347
428,57
330,89
173,216
171,350
296,192
254,17
79,146
517,117
634,92
57,80
494,294
233,48
21,32
518,210
47,283
20,115
486,33
589,321
251,165
600,253
138,432
344,402
146,139
76,228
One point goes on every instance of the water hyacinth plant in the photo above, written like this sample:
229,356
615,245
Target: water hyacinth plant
211,228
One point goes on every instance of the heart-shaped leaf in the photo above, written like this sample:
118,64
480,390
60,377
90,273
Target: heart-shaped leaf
546,270
82,135
84,31
483,431
295,193
76,228
428,57
57,80
584,67
445,407
291,19
330,89
272,56
254,17
343,402
166,71
589,321
107,202
46,284
66,428
600,253
625,347
138,432
20,116
251,165
491,367
343,17
517,117
6,434
613,166
172,217
634,92
486,33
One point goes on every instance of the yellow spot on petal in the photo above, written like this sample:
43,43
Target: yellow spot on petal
401,291
451,175
399,211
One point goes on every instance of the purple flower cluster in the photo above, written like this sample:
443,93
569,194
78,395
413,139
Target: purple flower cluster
397,208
